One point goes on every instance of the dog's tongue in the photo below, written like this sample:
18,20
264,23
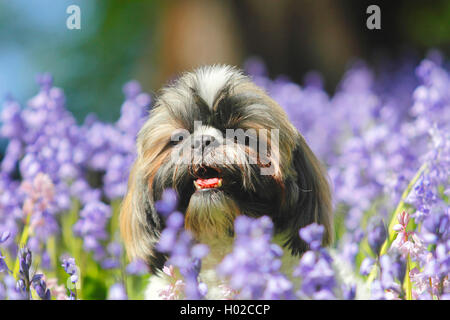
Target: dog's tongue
209,183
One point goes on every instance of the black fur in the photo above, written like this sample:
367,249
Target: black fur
307,199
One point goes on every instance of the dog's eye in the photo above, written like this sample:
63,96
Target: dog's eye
176,140
177,137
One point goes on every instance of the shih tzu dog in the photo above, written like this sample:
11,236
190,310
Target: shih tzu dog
227,149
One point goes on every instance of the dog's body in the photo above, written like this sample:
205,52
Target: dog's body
223,175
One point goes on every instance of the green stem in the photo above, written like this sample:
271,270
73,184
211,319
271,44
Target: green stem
407,282
114,222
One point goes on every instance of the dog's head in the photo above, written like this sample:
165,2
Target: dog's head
227,149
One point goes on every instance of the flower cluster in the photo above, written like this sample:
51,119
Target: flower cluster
91,227
315,267
58,161
253,268
71,269
28,279
429,248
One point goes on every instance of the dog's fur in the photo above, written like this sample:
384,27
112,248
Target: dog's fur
294,195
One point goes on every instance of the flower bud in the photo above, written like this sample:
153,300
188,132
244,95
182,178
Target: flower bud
376,235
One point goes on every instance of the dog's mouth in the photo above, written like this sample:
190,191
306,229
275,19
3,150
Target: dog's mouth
207,178
211,183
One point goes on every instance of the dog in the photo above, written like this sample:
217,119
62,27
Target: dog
203,139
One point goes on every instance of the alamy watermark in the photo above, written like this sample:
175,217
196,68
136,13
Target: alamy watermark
73,21
239,146
374,20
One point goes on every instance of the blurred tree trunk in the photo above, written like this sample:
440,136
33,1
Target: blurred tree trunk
194,33
295,36
291,36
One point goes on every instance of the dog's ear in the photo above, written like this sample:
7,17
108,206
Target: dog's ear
140,226
309,197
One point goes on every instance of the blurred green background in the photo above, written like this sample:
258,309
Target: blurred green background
152,41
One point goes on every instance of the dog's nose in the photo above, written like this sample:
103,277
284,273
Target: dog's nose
202,142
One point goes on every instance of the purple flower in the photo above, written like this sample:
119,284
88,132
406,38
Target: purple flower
3,265
137,267
12,290
436,227
318,279
4,236
349,292
2,292
422,197
313,235
12,123
114,250
252,269
71,269
315,267
24,282
168,202
376,234
40,287
366,266
398,267
92,227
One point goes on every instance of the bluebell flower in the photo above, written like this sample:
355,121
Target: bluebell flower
366,266
313,235
40,287
137,267
92,227
376,234
4,236
168,202
252,269
71,268
117,292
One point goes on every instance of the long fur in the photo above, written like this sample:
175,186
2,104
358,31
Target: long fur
208,102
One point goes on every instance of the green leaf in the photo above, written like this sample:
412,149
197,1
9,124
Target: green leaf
407,285
94,288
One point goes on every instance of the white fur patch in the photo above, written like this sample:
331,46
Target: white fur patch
210,80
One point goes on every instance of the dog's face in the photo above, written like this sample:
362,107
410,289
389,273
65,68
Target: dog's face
227,149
